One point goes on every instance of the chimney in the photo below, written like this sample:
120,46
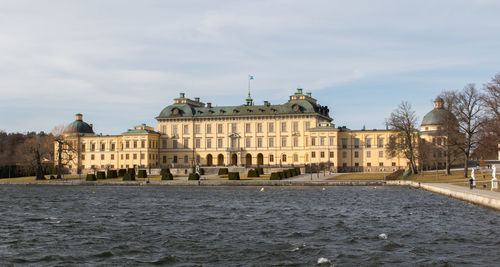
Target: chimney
78,117
309,94
299,90
197,99
209,105
181,95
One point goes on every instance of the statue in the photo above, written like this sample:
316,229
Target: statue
493,172
473,177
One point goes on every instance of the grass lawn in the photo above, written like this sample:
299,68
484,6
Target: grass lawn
359,176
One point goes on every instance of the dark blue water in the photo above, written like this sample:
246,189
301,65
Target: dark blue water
235,226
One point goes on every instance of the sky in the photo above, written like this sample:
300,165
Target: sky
119,63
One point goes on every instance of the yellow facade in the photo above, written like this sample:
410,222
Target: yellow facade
190,132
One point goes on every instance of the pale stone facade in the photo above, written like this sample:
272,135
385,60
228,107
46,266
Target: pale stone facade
297,133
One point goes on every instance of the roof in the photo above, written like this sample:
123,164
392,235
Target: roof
291,107
79,126
436,116
140,131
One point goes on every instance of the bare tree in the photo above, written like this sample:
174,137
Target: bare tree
468,112
64,149
38,148
405,140
448,131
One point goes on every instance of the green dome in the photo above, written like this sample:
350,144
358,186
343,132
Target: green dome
436,116
79,126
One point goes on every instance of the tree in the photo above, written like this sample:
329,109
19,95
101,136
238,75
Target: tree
448,131
405,140
468,112
38,148
65,149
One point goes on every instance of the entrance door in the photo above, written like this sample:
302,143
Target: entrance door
248,160
234,159
260,159
220,160
209,160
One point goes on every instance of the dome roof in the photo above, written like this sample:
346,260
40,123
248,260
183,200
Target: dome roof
79,126
436,116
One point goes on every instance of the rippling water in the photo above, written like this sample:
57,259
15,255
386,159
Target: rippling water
235,226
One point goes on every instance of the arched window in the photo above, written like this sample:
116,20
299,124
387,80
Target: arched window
283,158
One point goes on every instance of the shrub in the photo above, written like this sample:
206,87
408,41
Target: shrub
194,176
164,171
285,174
298,171
91,177
223,171
112,174
142,174
167,176
130,175
294,172
275,176
101,175
395,175
202,171
121,172
253,173
282,175
233,176
52,177
260,170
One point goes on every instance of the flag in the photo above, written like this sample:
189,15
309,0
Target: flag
251,77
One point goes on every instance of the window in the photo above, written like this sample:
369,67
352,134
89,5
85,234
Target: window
186,159
197,129
271,142
313,141
381,154
174,160
135,144
121,156
356,154
174,130
112,156
331,154
259,142
271,127
198,142
219,142
83,147
313,154
381,164
164,129
368,154
233,127
356,142
92,157
143,144
248,142
186,129
322,154
135,156
308,125
271,158
103,146
142,155
248,128
259,127
356,164
164,143
164,159
283,126
394,164
344,142
283,141
92,147
102,157
322,141
380,142
331,140
126,156
209,128
295,157
283,158
113,147
219,128
198,159
174,143
368,142
368,164
295,127
295,141
209,142
186,143
344,154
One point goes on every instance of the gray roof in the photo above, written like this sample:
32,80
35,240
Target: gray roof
291,107
436,116
79,126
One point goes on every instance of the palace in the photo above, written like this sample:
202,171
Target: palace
191,132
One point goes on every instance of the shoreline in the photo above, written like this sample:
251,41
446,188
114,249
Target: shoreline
476,196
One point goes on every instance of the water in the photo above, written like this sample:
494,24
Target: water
243,226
